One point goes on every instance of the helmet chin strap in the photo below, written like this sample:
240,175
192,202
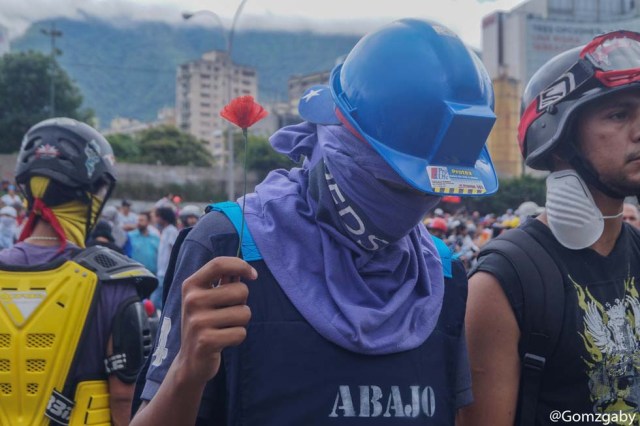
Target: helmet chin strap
587,172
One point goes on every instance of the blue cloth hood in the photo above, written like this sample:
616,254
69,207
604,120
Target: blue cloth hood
367,301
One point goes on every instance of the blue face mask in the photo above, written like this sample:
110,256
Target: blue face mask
363,187
339,235
368,221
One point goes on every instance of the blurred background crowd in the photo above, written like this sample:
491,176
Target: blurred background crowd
466,232
146,231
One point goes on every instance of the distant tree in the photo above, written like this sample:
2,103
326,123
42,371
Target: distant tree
511,193
168,145
24,96
125,147
262,158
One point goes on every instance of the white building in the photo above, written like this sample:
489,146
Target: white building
202,91
516,43
129,126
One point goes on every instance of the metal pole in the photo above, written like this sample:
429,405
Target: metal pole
52,34
230,166
230,148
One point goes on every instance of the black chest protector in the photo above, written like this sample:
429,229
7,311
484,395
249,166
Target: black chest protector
285,373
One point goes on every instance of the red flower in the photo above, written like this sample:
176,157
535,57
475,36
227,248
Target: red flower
243,111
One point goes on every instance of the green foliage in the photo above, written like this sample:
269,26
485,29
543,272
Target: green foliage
511,194
262,158
170,146
25,96
161,145
125,148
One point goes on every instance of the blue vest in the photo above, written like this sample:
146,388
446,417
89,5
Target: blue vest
286,373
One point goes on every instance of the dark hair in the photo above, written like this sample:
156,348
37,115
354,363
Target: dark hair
102,229
167,214
147,215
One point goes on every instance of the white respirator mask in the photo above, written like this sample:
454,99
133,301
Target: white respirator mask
574,218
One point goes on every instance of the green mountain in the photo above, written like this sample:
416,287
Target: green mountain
129,69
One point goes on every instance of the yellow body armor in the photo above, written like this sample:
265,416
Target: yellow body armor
42,318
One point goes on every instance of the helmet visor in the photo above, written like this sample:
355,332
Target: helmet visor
610,60
615,57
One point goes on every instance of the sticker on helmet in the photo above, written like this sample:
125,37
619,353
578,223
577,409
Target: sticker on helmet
92,158
455,180
557,91
47,151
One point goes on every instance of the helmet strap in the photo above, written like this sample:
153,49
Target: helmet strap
587,172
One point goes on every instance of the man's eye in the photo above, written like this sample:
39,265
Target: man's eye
618,115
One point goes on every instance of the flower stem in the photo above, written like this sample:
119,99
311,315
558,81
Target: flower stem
244,190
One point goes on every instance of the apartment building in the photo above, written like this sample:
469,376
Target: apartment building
203,88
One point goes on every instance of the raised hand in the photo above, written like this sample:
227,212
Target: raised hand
214,315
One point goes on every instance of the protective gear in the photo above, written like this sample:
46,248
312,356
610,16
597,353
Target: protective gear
609,64
131,341
43,313
190,210
574,218
65,170
69,152
528,208
422,99
439,224
41,324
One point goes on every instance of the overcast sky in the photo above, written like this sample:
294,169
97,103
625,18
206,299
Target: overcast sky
462,16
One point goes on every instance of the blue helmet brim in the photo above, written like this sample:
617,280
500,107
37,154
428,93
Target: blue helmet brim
428,175
316,106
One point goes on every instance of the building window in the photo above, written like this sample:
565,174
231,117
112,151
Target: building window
561,6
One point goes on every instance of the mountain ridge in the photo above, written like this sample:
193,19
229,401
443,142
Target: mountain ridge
129,70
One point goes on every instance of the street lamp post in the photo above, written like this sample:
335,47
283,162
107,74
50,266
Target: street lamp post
231,187
53,33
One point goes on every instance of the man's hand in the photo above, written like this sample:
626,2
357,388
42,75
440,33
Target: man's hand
214,315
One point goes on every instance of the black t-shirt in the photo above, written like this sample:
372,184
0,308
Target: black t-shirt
595,367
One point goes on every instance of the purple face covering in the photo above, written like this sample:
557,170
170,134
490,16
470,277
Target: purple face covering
347,249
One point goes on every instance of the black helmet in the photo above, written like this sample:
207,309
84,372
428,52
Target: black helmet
70,153
567,82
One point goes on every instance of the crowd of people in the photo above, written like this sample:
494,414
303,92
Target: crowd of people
320,298
466,233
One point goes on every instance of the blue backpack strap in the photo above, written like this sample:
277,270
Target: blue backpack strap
445,256
233,212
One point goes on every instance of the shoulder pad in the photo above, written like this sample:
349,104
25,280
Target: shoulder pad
112,266
131,341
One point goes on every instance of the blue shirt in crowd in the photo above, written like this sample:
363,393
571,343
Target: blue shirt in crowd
145,249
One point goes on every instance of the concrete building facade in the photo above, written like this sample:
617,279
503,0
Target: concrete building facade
516,43
202,90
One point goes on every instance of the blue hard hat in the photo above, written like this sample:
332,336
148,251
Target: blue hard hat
422,99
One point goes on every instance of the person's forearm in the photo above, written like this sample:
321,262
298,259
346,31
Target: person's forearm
176,402
120,411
